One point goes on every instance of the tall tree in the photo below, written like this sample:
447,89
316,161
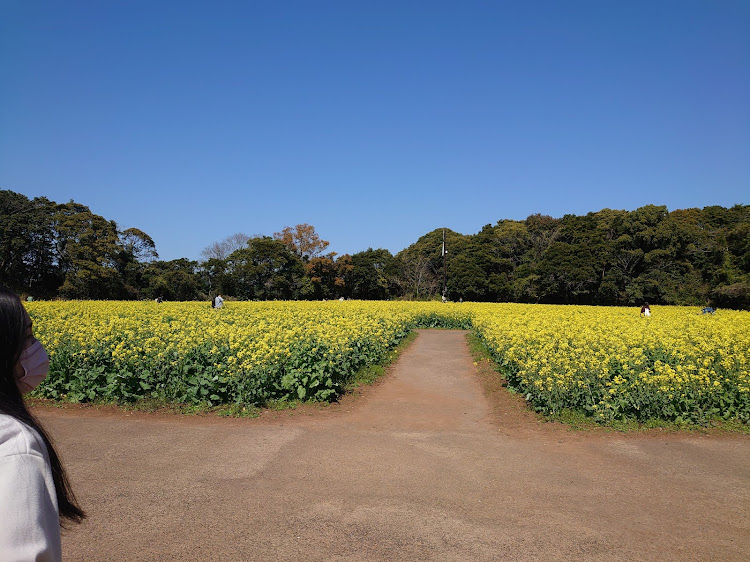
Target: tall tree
417,277
26,244
566,274
87,247
174,280
420,266
216,277
302,240
265,270
326,275
368,277
220,250
137,249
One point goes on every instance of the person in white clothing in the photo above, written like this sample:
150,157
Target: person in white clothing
35,495
218,302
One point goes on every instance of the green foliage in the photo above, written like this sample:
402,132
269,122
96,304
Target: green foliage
609,257
267,269
87,250
635,401
173,280
368,374
311,372
448,322
27,250
368,278
49,250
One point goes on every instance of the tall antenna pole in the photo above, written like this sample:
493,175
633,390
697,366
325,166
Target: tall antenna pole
445,268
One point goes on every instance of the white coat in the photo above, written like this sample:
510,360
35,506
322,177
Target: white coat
30,528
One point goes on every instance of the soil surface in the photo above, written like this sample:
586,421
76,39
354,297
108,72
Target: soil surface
425,465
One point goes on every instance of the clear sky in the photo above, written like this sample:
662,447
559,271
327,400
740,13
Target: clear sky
376,122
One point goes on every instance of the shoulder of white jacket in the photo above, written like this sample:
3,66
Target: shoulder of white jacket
17,438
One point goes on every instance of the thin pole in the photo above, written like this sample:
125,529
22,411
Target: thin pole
445,267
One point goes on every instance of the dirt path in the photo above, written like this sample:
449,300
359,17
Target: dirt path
421,468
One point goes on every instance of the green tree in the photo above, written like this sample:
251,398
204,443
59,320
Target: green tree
267,269
566,274
419,268
87,247
26,244
174,280
368,277
215,277
506,246
137,249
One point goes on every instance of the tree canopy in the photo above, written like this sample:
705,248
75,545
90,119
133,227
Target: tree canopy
610,257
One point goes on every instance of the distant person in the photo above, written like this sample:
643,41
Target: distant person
707,310
218,301
159,300
35,495
645,310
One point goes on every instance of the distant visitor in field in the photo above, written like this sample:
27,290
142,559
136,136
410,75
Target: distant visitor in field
707,310
218,301
646,310
34,491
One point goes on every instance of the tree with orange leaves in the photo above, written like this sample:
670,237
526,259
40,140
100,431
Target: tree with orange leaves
303,241
327,275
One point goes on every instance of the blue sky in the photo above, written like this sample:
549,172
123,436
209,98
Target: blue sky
376,122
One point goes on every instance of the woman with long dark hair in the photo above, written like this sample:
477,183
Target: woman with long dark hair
35,495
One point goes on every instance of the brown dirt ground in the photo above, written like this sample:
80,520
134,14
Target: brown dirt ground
434,462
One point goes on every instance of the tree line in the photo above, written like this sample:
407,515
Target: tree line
609,257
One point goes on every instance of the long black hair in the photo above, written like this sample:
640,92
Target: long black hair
12,339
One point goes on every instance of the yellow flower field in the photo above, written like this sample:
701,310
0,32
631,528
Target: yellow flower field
608,362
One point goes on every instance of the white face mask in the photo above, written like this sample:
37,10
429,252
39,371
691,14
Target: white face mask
34,363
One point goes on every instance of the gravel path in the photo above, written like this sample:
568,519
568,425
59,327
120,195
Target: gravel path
421,467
